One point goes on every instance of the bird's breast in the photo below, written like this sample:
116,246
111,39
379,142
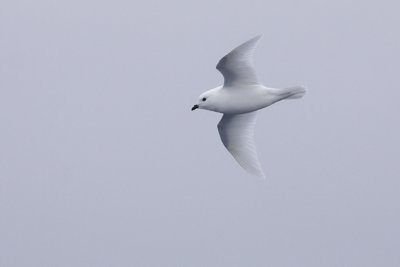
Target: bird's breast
235,101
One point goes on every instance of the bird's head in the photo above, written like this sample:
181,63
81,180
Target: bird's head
207,100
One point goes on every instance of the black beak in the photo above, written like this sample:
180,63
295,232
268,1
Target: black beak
195,107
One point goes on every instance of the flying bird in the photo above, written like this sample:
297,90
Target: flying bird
238,99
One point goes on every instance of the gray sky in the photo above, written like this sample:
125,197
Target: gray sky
103,164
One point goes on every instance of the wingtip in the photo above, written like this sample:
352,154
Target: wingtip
257,37
259,173
252,41
261,176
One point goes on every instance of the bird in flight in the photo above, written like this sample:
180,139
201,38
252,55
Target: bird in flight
238,99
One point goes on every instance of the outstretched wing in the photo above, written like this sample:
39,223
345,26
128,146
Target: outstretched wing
237,134
237,66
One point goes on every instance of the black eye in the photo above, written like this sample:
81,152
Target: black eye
204,99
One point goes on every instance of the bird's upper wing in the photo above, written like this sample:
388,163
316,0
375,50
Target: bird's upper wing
237,65
237,134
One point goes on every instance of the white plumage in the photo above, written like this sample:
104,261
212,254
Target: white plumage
239,99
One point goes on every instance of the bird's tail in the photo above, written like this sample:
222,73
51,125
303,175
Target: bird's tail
294,92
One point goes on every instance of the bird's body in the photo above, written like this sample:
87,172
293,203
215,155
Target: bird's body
239,99
247,98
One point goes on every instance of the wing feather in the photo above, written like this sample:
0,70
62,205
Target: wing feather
237,65
237,135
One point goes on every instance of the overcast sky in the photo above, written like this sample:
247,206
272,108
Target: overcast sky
102,163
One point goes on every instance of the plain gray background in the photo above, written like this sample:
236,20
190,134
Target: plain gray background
103,164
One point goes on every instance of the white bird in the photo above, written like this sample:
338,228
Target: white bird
239,99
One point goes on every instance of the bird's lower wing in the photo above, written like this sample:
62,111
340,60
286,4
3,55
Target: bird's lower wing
237,134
